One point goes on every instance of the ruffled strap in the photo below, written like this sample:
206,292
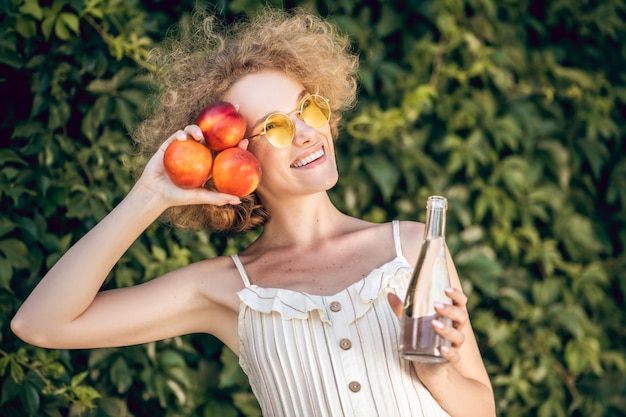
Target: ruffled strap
289,304
393,277
360,296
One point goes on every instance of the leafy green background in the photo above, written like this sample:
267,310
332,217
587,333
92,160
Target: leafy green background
512,109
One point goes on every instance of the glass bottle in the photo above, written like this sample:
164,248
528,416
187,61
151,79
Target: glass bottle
419,342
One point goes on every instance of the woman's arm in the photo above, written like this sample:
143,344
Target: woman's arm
461,386
67,309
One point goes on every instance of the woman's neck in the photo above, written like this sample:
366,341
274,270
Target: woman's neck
302,222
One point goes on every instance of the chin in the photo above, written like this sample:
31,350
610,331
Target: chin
332,182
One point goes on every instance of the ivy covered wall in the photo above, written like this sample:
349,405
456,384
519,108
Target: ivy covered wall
512,109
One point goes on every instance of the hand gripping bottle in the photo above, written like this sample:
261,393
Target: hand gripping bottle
419,342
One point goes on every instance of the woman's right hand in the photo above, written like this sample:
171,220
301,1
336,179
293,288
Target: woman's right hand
156,180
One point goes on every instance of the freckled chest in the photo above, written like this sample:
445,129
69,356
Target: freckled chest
325,270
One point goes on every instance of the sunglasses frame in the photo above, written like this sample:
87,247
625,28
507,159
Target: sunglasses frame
288,118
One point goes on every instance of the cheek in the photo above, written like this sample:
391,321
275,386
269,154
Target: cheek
266,154
257,147
330,143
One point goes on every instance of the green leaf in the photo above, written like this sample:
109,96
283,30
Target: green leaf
576,76
30,399
6,273
581,353
8,156
231,375
100,86
71,21
120,375
578,236
85,396
47,26
78,379
26,27
596,153
547,292
31,8
6,225
171,359
61,30
219,409
570,318
479,265
15,251
125,112
136,97
59,114
383,172
247,403
114,407
389,21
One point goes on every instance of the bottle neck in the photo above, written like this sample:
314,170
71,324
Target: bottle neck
436,217
435,223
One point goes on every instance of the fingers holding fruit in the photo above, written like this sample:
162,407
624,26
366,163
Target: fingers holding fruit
194,132
190,163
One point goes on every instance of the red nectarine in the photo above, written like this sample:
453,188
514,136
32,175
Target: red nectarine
222,125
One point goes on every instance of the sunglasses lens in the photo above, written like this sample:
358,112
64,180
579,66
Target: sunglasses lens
279,130
315,111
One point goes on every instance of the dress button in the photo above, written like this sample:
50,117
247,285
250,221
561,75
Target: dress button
345,344
335,306
354,386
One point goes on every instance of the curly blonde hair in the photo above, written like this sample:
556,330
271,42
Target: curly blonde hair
199,67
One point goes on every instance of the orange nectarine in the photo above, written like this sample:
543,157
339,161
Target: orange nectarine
188,163
236,171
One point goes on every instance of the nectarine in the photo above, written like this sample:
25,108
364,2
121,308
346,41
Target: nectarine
236,171
188,163
222,125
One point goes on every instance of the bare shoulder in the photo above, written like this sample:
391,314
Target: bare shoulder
217,279
411,237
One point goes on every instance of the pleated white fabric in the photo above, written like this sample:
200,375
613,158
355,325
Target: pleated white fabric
316,356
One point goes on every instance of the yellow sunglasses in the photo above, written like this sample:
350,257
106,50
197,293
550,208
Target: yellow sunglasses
279,129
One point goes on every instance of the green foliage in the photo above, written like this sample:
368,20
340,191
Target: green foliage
513,110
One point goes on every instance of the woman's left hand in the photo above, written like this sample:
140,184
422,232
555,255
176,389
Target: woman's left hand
456,312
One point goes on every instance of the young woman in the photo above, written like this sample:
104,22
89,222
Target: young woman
311,307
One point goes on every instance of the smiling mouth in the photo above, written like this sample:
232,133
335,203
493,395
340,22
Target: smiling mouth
305,161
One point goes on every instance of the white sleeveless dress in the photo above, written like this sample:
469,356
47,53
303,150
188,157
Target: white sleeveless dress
331,356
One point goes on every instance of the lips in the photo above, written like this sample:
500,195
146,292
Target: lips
308,159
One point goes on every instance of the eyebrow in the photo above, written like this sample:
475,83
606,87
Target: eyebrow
261,119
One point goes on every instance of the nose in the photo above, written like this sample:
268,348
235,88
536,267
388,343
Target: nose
303,133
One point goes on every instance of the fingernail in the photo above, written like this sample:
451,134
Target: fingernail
234,202
444,349
439,306
449,290
438,324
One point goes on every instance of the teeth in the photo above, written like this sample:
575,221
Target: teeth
309,159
